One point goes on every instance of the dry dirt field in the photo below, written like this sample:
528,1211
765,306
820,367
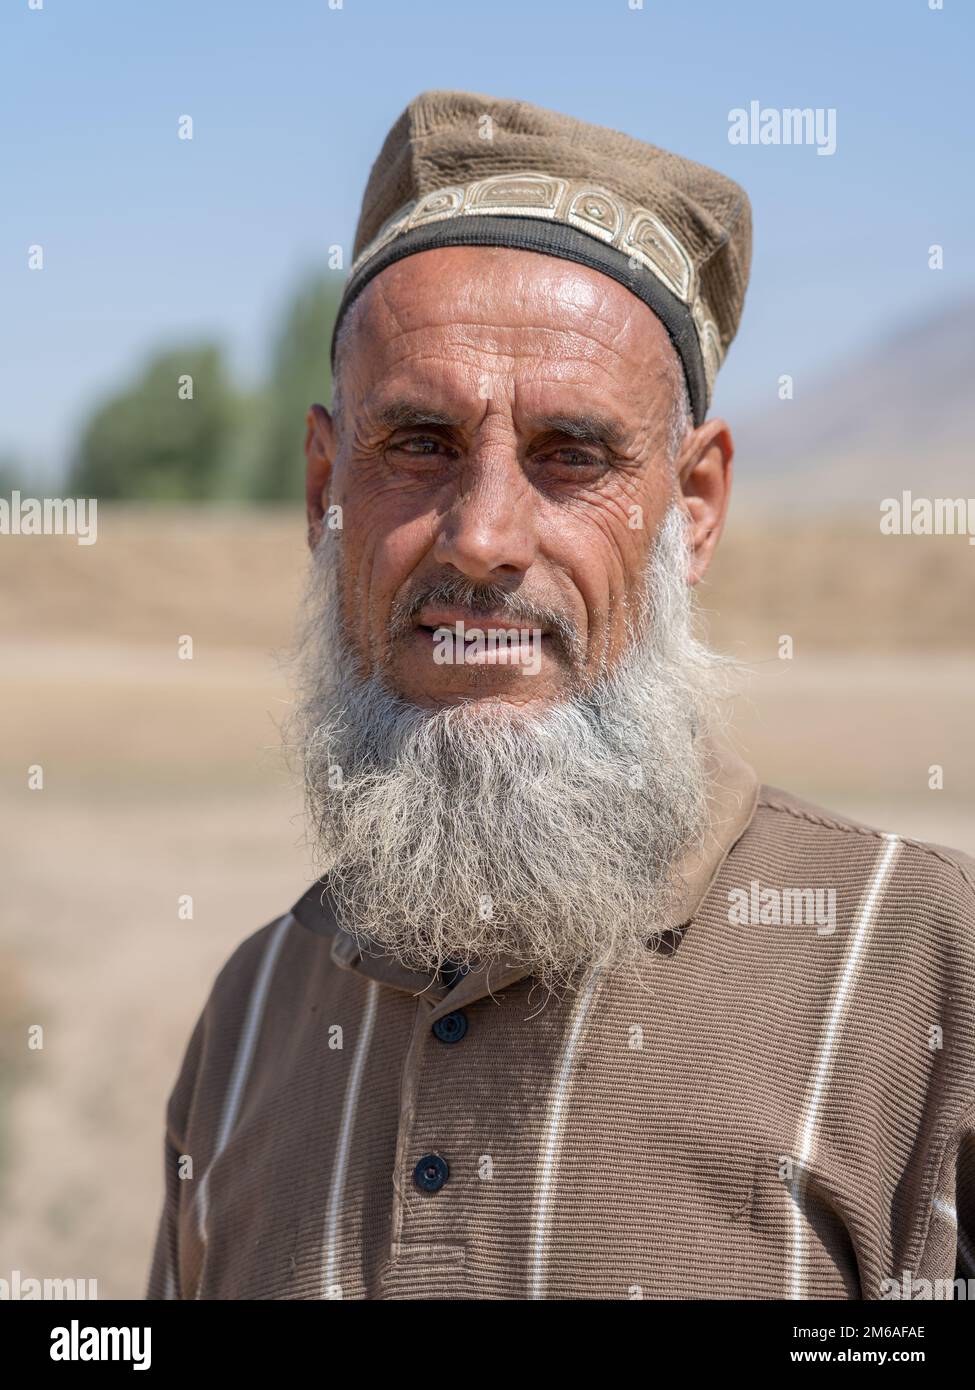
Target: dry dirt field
163,777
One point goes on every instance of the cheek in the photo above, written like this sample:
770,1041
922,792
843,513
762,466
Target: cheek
601,555
383,557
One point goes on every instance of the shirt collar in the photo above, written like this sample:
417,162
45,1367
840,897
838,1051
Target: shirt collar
732,796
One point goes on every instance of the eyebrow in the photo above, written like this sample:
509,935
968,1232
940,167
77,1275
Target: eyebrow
588,428
398,415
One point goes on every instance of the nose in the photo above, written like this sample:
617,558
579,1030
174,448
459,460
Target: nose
488,532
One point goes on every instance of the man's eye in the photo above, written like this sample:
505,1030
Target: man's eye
572,459
420,445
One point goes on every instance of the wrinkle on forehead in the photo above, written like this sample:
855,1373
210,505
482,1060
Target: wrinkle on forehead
523,296
445,322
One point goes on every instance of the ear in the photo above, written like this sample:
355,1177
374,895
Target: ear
704,475
319,457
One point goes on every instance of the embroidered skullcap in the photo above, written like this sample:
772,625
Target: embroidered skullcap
458,169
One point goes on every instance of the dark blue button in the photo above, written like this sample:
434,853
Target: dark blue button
452,1027
431,1173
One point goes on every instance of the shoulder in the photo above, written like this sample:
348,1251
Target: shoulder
243,968
787,820
901,909
274,963
922,893
286,947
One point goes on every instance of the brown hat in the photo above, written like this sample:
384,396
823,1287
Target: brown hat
459,169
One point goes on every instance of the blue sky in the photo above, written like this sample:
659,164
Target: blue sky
149,239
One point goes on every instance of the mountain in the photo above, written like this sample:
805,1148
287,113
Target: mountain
900,415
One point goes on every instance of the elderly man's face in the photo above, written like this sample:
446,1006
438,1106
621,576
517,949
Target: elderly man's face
505,428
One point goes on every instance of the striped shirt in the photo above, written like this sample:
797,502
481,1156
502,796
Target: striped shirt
783,1107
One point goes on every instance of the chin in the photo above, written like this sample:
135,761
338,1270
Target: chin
487,708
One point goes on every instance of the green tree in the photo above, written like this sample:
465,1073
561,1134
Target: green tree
300,374
12,474
165,437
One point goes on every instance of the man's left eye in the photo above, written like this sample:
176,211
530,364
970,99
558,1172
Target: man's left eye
572,458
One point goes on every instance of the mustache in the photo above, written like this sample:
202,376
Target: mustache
492,599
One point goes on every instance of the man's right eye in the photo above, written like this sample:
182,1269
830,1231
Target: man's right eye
421,446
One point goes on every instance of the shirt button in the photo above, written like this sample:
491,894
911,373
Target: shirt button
452,1027
431,1173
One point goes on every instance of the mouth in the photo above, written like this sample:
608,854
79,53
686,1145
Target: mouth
464,637
434,619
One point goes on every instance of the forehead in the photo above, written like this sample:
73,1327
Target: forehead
459,313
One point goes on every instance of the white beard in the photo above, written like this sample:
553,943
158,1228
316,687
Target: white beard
480,831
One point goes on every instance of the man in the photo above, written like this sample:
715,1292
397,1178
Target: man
577,1008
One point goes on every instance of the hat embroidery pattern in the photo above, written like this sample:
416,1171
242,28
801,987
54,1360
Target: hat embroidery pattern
635,231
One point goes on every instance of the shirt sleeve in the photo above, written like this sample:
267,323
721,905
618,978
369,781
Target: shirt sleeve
949,1252
164,1270
165,1279
965,1204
